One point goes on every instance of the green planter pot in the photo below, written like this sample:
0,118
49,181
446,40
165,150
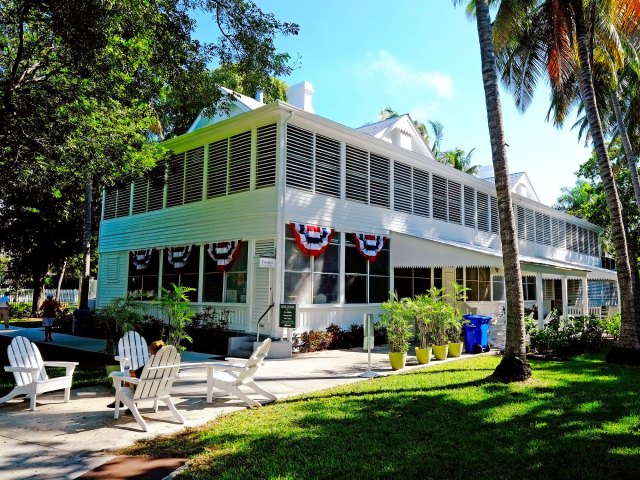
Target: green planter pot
455,349
440,351
423,355
397,359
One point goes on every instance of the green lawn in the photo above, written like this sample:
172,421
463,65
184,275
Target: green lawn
575,419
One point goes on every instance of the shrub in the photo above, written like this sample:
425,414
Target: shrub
568,337
313,341
336,337
211,318
611,326
19,309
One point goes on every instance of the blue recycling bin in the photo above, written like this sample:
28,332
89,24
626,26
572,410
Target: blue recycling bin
476,332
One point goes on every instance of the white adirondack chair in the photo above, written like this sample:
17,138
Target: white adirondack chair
132,351
154,384
30,373
230,377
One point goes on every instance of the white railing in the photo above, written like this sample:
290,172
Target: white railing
26,295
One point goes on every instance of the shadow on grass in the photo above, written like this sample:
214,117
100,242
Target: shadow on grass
577,419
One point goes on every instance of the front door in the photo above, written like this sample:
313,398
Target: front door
262,294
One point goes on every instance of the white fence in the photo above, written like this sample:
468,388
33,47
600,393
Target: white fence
26,295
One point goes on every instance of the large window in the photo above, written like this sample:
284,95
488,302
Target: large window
180,267
409,282
497,285
529,288
311,279
365,282
478,282
143,273
231,286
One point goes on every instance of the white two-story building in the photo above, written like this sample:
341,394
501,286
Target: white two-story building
344,215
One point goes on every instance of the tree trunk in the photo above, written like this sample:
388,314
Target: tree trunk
38,293
514,366
86,245
628,334
628,150
64,267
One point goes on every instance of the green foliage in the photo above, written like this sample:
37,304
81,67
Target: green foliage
398,321
19,309
209,317
568,337
175,305
611,326
116,318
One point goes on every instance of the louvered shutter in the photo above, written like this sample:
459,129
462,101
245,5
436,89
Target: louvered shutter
546,230
175,182
379,193
357,188
266,156
564,234
140,194
495,216
217,172
469,207
421,195
327,174
530,225
402,181
240,162
574,237
539,230
584,243
193,175
299,158
110,198
521,222
155,197
124,201
439,198
454,201
483,211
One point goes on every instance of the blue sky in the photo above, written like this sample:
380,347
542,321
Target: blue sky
419,57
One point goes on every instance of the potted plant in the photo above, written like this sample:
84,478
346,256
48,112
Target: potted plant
441,314
422,306
114,319
175,304
396,320
456,321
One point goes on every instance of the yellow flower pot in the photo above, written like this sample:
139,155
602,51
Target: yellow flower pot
423,355
440,351
397,359
455,349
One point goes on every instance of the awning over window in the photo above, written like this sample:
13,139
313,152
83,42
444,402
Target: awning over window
410,251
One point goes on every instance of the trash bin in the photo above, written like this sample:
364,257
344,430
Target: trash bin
476,332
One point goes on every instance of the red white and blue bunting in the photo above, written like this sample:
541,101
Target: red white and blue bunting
224,253
141,258
179,256
369,245
312,239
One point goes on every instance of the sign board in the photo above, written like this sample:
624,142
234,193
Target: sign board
368,331
288,315
266,262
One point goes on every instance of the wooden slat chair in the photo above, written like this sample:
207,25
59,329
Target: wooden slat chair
133,352
155,384
30,373
232,377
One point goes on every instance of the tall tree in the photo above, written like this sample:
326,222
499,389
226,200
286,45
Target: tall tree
460,160
514,365
556,38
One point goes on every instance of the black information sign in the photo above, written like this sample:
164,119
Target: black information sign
288,315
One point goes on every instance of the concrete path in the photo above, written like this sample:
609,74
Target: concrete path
61,440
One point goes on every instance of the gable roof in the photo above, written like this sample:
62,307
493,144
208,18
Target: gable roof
240,104
400,131
520,183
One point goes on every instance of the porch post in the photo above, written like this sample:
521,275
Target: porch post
540,298
585,297
565,296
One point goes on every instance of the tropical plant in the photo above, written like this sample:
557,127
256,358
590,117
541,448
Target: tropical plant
514,365
460,160
175,304
559,39
422,306
115,318
397,319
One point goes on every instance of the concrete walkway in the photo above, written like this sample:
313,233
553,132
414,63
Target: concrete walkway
61,440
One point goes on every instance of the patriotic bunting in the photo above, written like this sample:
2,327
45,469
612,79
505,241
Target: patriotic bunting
178,256
311,239
141,258
224,254
369,245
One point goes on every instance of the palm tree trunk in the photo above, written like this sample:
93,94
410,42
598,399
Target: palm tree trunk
514,365
628,334
626,143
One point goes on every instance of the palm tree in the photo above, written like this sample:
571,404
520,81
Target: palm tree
460,160
555,37
514,365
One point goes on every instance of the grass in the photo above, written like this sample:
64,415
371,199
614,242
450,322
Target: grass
574,419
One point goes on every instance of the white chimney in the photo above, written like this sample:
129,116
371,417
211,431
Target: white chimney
299,95
260,95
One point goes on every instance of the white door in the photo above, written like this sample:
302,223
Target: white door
263,289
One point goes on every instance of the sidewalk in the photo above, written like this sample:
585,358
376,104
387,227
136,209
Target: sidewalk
61,440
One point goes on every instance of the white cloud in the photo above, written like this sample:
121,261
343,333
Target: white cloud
400,76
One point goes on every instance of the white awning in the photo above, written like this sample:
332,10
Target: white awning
411,251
